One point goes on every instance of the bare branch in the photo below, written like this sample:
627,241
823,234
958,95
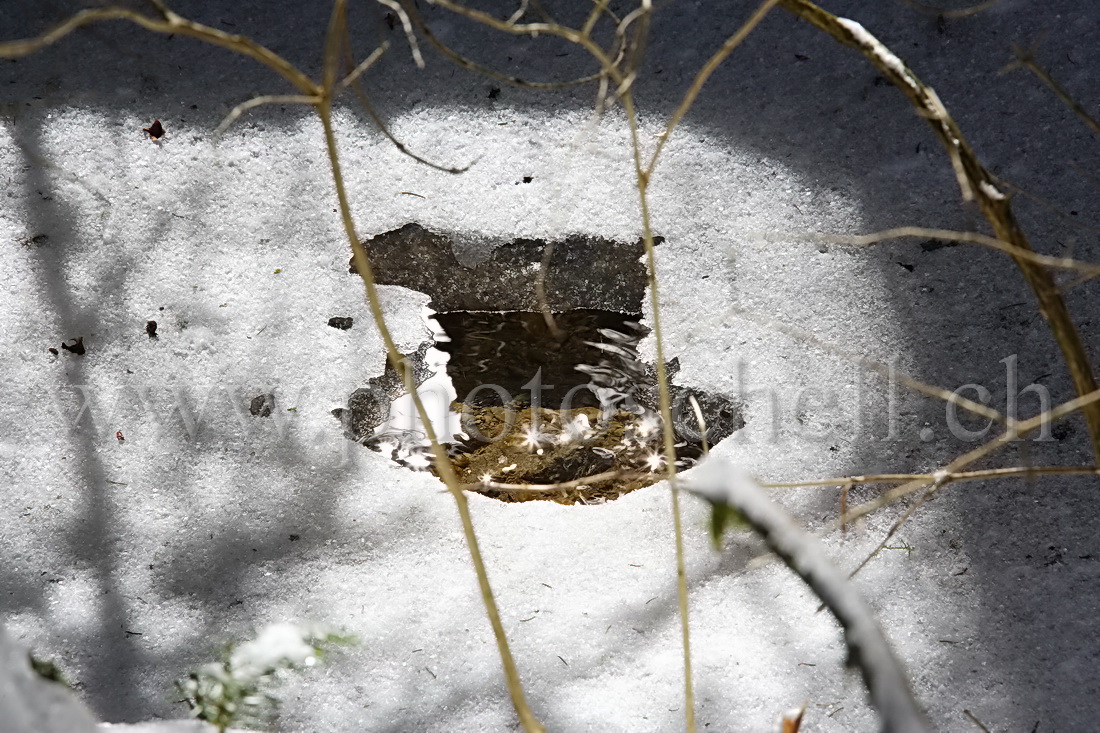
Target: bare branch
365,64
406,25
947,235
975,182
722,484
1025,58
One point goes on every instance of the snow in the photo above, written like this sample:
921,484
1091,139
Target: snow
991,191
276,644
130,562
879,51
30,703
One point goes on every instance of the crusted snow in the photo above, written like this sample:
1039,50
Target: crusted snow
130,562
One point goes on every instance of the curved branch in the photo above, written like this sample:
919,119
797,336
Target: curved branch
169,23
464,62
352,80
723,485
946,235
976,183
243,107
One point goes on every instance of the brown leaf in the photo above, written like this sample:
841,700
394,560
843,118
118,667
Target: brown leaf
155,131
792,720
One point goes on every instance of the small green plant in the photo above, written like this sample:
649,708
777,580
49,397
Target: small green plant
239,690
46,669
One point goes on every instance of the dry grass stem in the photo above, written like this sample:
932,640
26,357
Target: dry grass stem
951,12
406,26
468,63
619,64
321,97
335,39
599,8
1022,428
243,107
946,235
520,12
1025,58
368,62
534,30
352,80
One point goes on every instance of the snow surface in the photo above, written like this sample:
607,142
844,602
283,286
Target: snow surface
129,562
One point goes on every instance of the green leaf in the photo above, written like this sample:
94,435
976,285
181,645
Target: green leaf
48,670
721,518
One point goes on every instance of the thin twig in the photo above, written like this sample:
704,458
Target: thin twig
365,64
406,25
948,235
259,101
536,29
622,83
467,63
352,80
1022,428
170,23
951,12
664,400
322,95
599,7
520,12
1025,58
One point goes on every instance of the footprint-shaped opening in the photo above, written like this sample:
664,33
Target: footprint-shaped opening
549,398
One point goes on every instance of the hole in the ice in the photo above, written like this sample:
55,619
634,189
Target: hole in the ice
496,356
564,411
